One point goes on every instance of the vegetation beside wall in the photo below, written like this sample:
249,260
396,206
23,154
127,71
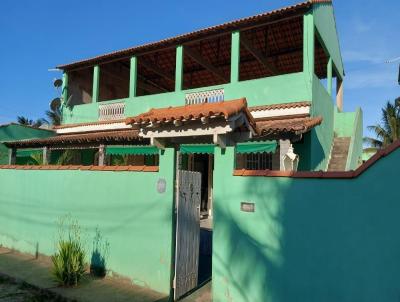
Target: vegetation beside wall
124,206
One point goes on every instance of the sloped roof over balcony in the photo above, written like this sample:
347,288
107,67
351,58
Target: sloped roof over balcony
240,24
195,112
119,136
287,126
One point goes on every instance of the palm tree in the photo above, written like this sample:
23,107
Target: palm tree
54,116
22,120
388,131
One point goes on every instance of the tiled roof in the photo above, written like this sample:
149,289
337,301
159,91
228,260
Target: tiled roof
280,106
225,109
289,125
89,124
79,138
273,15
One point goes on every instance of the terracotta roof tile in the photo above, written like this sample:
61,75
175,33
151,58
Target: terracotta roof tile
289,125
83,168
225,109
78,138
273,15
280,106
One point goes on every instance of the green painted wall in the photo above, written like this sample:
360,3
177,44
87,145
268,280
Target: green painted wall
308,239
14,132
125,206
272,90
322,135
324,20
350,124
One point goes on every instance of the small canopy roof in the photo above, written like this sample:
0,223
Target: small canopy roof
78,138
288,126
224,109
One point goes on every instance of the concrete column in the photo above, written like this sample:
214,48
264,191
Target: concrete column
101,155
12,156
235,56
329,72
179,68
339,94
64,89
46,156
133,78
308,47
283,149
96,79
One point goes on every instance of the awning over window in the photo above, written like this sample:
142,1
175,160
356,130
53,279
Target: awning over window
28,152
131,150
197,148
256,147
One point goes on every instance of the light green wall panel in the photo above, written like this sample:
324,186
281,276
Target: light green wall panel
322,135
125,206
325,23
309,239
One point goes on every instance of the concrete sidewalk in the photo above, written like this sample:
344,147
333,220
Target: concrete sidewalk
37,273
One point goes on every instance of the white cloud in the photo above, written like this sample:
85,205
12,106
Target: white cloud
371,78
351,56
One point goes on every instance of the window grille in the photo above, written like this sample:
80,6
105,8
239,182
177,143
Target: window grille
258,161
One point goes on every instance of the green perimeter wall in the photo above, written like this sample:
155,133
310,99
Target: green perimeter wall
309,239
14,132
131,215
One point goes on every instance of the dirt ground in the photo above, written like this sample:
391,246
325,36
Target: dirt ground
13,292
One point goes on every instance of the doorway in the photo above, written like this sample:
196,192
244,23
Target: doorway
194,175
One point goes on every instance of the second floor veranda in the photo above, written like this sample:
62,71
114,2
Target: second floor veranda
268,62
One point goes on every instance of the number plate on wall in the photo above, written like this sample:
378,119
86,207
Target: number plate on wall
247,207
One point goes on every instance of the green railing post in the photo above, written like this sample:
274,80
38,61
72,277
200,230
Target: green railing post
133,78
179,68
64,89
308,46
96,79
235,56
329,76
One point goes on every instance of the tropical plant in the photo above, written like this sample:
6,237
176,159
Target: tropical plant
54,117
388,130
22,120
120,160
100,253
69,259
36,159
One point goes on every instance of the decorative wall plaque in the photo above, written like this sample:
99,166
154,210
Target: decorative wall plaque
247,206
161,185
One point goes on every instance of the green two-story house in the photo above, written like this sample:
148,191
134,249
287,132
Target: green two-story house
270,87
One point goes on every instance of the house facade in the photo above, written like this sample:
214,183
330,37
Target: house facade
244,98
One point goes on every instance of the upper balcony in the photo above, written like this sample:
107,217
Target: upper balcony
267,62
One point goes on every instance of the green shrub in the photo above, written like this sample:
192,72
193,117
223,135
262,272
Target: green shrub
69,259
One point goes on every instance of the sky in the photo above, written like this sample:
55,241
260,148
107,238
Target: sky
35,36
